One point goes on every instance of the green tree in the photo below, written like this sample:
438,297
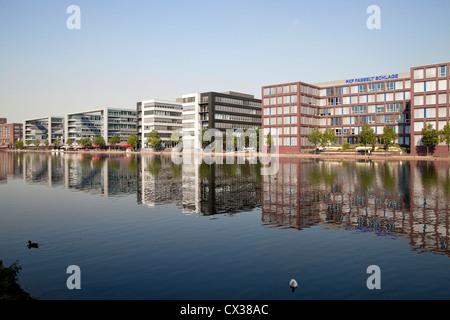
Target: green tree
328,137
57,143
430,137
315,137
154,139
388,137
18,144
269,140
133,140
46,143
445,135
204,139
36,143
367,136
69,142
28,142
99,141
115,139
85,142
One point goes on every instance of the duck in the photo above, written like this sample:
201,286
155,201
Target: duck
32,245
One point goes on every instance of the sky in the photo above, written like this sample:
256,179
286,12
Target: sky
134,50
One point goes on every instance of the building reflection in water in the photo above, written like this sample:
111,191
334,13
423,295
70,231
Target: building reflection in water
408,200
400,200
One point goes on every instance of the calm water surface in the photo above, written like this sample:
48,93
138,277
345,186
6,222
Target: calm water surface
141,227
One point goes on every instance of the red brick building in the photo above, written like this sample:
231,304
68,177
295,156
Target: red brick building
9,132
405,101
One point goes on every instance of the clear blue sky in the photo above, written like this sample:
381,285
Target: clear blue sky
133,50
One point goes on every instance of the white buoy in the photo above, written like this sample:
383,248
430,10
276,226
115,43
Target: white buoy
293,284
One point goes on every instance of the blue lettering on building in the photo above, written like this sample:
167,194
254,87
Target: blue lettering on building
368,79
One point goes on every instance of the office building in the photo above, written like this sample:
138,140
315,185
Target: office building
163,116
214,110
105,122
44,129
405,101
9,132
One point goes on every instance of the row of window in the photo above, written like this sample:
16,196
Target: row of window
232,117
430,113
162,113
361,109
281,89
337,101
237,101
442,71
430,99
286,131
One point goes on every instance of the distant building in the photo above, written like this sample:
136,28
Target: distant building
46,128
9,132
105,122
214,110
163,116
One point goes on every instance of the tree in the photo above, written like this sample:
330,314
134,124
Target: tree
328,137
69,142
28,142
99,141
315,137
445,135
114,139
203,139
46,143
85,142
176,137
258,134
18,144
388,137
367,136
36,142
430,137
57,143
154,139
269,140
133,140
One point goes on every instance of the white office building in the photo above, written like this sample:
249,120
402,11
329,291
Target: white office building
105,122
163,116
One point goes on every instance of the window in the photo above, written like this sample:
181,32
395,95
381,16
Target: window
362,88
380,86
390,107
390,118
372,87
390,85
442,71
380,109
336,121
338,91
362,109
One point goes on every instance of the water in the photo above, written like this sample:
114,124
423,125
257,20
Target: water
141,227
